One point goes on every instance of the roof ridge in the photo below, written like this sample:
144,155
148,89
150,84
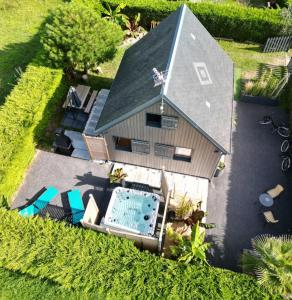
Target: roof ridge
173,48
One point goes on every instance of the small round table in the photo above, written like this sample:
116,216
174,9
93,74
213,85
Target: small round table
266,200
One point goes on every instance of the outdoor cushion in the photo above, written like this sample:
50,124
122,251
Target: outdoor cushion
270,217
76,205
276,191
42,201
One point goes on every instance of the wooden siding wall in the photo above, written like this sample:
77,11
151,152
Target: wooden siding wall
204,157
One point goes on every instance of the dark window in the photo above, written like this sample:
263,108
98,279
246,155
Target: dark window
140,146
183,154
168,122
164,150
123,144
159,121
153,120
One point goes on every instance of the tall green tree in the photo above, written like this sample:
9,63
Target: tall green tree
78,38
271,261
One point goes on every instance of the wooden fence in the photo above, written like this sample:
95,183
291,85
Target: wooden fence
277,44
289,66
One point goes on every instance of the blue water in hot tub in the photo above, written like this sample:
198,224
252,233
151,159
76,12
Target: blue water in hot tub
136,211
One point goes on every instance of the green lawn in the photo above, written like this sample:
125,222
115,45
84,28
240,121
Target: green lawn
108,70
20,21
247,57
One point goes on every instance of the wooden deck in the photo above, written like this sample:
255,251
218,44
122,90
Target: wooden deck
196,188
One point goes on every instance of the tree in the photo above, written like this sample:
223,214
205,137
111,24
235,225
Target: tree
77,38
191,250
271,262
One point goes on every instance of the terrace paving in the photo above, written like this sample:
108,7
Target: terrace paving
65,173
253,167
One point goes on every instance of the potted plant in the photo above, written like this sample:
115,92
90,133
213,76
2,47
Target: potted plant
220,168
184,208
118,176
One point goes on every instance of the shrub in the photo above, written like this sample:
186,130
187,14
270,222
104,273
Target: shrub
93,4
23,118
78,38
17,286
105,265
271,261
234,21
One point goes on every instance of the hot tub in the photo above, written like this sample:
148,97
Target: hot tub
132,210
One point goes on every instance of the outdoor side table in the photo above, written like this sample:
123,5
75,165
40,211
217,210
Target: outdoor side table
266,200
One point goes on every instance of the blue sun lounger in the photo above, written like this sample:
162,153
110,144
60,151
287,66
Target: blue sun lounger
43,200
76,205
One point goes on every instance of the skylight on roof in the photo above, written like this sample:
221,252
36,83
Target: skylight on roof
202,73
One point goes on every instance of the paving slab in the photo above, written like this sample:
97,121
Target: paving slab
252,168
65,173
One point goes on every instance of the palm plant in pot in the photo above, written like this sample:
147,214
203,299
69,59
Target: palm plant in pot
118,176
184,208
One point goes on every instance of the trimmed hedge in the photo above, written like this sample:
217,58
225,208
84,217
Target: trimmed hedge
235,21
23,121
17,286
110,267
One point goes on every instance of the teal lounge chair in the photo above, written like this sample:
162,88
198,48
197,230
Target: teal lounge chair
43,200
76,205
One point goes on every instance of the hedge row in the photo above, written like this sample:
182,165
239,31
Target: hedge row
110,267
235,21
23,120
17,286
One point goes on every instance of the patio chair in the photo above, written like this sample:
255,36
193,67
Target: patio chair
91,212
269,217
42,201
76,205
276,191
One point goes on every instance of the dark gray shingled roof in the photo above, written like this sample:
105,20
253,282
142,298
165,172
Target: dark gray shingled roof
199,83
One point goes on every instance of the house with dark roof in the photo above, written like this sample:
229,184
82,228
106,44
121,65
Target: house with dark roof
180,122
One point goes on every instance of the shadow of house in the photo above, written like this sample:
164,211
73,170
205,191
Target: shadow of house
253,167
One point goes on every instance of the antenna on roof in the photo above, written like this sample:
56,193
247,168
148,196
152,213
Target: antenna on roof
159,79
